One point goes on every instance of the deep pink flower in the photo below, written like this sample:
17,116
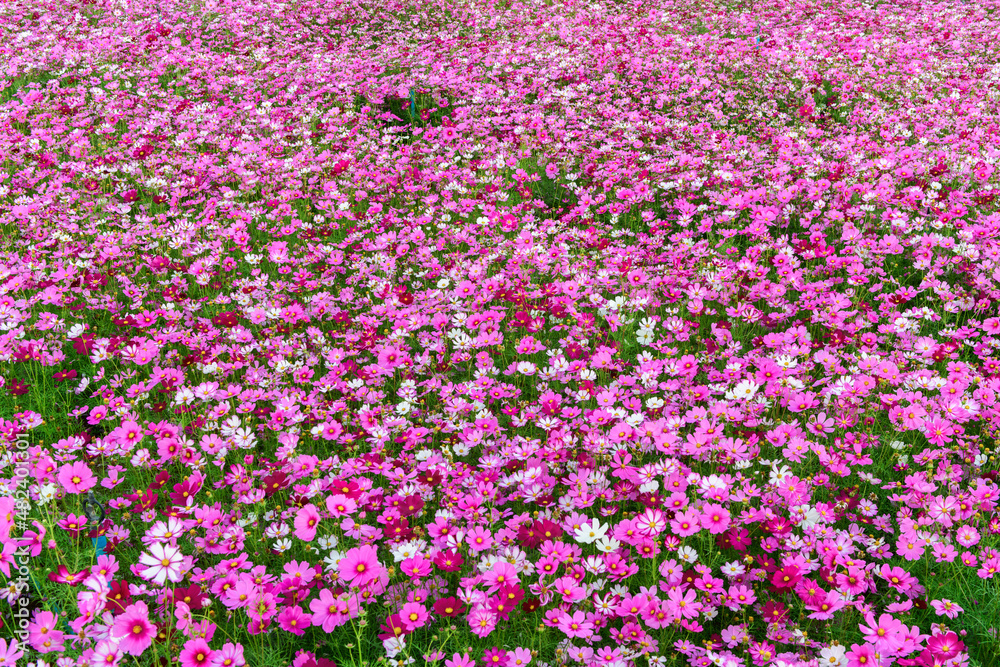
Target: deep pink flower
449,606
293,619
134,629
862,656
945,646
683,604
482,622
787,577
495,657
196,653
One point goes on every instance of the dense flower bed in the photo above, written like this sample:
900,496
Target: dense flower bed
502,333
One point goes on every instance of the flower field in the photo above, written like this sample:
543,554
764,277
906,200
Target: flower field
499,333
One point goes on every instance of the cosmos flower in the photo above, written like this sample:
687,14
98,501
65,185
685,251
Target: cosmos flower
162,563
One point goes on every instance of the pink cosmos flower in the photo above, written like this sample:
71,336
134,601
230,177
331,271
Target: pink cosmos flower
741,596
482,622
414,615
576,626
897,577
989,568
884,634
910,547
714,518
946,608
196,653
76,477
861,656
501,574
938,431
651,522
417,567
824,606
231,655
569,589
10,653
42,633
683,604
293,619
327,611
129,434
133,629
610,657
495,657
967,536
360,566
330,430
306,523
33,540
943,553
297,574
390,357
105,653
787,577
460,660
519,657
97,414
479,539
686,523
340,505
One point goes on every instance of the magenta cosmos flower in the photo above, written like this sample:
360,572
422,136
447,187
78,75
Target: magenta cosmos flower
945,646
196,653
76,477
360,566
133,629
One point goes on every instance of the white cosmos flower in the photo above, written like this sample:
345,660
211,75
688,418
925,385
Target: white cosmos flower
687,554
786,361
526,368
744,391
607,544
779,474
590,533
162,564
